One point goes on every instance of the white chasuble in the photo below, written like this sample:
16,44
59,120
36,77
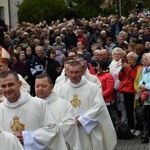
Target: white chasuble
25,86
32,114
65,117
87,101
8,141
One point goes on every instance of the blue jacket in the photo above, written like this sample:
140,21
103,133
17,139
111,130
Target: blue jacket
146,80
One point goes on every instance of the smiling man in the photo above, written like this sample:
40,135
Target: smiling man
27,117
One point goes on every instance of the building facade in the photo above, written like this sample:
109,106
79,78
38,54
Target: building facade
8,11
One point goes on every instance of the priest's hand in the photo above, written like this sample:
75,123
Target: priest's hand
78,122
18,134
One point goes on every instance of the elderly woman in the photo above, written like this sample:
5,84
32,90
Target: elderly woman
95,59
127,76
60,50
145,84
114,67
137,102
59,45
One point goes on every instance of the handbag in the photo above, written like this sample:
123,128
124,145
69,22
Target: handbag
123,131
140,113
144,95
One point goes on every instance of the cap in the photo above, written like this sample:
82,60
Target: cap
4,55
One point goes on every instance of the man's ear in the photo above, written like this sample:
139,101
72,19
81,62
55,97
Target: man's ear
20,83
52,85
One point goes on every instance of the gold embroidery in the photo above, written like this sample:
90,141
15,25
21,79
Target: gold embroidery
17,126
1,101
75,102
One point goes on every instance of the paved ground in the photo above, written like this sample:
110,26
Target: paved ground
134,144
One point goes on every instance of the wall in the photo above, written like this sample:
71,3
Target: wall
5,14
10,11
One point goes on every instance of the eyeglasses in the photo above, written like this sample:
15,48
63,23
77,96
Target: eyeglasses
75,73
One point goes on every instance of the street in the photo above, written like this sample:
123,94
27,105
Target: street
134,144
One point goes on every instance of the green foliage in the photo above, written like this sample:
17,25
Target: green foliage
129,5
38,10
84,8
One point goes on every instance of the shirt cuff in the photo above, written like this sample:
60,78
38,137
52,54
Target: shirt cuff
88,124
30,141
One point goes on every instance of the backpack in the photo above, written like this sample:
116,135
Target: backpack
123,131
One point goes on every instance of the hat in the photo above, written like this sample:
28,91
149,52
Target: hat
4,55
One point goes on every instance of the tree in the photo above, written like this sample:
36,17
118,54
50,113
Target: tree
85,8
38,10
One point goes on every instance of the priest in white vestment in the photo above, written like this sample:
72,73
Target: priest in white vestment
63,77
61,109
8,141
95,126
28,117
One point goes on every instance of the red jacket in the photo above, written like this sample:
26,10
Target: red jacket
127,77
107,82
91,69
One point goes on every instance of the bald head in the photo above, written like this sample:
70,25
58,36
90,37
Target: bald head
103,54
103,51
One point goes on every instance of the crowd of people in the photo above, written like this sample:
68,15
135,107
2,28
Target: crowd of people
85,70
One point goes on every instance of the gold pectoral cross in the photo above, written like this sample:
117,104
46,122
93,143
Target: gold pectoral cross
75,102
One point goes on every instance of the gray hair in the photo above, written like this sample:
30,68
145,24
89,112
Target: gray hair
58,38
132,55
118,49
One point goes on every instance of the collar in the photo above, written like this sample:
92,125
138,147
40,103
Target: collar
82,82
51,98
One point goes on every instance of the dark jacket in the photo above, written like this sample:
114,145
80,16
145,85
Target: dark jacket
37,65
21,68
2,23
70,41
113,28
52,65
